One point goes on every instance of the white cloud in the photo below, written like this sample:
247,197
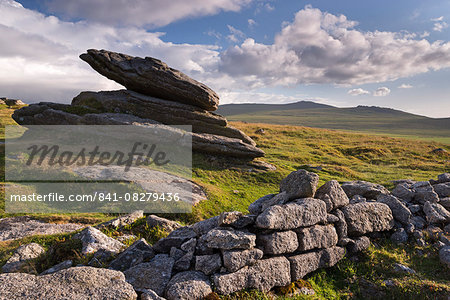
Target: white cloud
382,91
319,47
440,26
235,34
251,23
441,18
357,92
141,12
405,86
39,55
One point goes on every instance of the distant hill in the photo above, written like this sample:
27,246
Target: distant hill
370,119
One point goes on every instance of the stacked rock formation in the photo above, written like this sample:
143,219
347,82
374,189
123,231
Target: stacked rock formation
285,237
155,94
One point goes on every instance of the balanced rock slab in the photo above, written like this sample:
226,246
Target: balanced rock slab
299,213
77,283
367,217
150,76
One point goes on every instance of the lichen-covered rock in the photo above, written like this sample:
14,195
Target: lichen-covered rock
56,268
228,238
341,225
153,275
77,283
367,217
424,192
403,192
305,263
204,226
123,220
436,213
166,225
208,264
358,244
190,285
278,242
299,213
263,275
300,184
400,212
22,256
152,77
255,208
175,239
235,219
236,259
137,253
442,189
93,240
332,194
363,188
317,236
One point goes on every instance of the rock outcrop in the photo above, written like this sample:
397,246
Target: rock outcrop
156,95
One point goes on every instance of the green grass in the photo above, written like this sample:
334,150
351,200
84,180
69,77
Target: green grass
341,156
360,119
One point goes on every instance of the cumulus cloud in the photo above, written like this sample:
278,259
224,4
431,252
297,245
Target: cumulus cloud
319,47
141,12
39,54
357,92
405,86
382,91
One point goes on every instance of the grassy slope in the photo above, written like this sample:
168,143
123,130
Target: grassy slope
361,119
342,156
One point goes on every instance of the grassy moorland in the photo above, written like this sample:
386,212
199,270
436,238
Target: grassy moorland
370,120
331,154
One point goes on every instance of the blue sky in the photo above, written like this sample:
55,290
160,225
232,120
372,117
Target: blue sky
344,53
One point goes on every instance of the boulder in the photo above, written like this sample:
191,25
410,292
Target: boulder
94,240
341,225
403,192
277,242
333,195
166,225
424,192
190,285
77,283
300,184
175,239
202,227
317,236
235,219
300,213
444,177
228,238
123,220
152,77
137,253
22,256
367,217
208,264
154,275
56,268
444,256
442,189
436,213
236,259
358,244
400,212
255,208
263,275
400,236
363,188
305,263
278,199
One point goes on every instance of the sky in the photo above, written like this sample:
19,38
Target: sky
344,53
